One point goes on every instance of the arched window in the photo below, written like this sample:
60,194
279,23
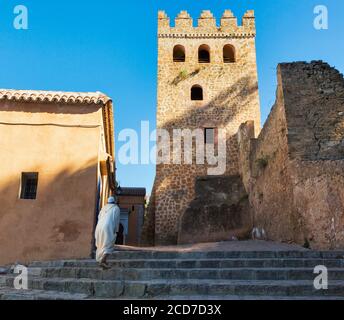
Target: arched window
178,54
228,53
196,93
204,54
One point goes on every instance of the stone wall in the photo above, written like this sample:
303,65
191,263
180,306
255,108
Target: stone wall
230,98
148,229
294,171
219,212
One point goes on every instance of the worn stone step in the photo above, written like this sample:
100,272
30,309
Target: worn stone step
236,297
227,254
155,288
12,294
156,274
243,288
200,263
202,273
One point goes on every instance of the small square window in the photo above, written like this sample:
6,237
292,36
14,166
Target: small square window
29,183
209,135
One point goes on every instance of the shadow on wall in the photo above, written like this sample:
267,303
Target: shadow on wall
59,224
41,108
228,105
220,211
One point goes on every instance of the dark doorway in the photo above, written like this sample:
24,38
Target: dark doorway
120,235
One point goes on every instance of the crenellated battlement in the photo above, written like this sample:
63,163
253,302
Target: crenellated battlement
207,25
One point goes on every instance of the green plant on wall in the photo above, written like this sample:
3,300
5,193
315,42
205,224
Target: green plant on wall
183,74
262,162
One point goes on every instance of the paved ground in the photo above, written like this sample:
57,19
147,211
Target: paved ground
250,245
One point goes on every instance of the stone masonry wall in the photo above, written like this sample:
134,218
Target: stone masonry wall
230,98
219,212
294,171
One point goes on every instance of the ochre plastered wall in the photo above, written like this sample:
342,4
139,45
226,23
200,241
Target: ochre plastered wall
61,143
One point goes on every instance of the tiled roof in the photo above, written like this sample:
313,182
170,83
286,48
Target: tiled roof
139,192
54,97
73,98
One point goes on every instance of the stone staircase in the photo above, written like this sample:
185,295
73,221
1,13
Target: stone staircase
184,275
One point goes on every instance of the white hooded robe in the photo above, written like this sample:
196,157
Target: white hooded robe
106,230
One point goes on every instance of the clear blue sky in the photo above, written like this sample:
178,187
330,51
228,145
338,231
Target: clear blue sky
110,46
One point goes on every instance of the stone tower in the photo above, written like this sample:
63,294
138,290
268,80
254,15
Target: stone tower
207,79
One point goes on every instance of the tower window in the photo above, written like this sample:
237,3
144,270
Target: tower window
29,183
196,93
228,54
209,135
178,54
204,54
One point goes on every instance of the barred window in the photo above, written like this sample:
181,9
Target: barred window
29,183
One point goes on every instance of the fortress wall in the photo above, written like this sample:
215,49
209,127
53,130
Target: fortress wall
294,171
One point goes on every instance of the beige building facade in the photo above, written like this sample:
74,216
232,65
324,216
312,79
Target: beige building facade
57,169
207,79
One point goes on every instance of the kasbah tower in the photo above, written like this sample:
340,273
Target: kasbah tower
207,79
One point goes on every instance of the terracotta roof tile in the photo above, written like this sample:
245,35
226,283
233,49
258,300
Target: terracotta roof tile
54,97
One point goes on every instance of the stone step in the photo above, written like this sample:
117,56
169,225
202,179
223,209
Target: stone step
12,294
152,274
306,254
203,273
157,288
200,263
236,298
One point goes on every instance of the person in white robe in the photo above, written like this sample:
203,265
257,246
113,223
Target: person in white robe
106,231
